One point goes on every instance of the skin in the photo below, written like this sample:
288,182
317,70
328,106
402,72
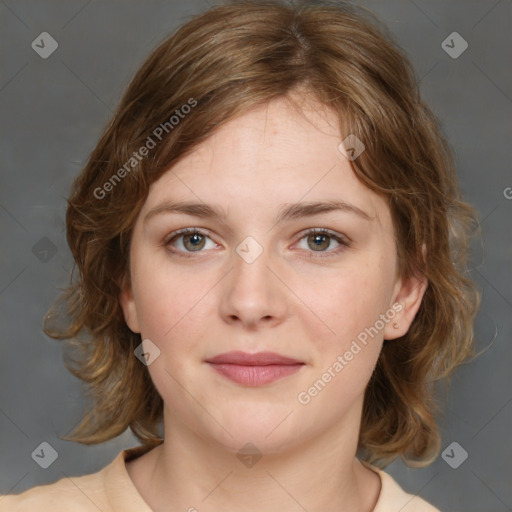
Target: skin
290,300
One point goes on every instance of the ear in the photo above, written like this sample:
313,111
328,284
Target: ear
128,305
408,295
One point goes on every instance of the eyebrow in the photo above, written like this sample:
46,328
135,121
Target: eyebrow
286,212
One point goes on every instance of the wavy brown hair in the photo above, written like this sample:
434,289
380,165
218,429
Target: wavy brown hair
227,60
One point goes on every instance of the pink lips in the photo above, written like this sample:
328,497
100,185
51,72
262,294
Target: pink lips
254,369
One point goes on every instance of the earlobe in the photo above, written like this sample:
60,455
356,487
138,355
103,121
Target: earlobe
408,296
128,306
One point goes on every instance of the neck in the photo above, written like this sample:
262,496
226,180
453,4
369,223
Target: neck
189,472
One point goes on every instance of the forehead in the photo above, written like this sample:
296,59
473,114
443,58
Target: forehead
273,154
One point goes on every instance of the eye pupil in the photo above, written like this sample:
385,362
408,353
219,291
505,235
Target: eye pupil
195,241
198,242
319,237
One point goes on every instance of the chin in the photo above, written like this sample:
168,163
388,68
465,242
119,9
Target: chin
270,432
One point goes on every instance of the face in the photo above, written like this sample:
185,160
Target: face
271,272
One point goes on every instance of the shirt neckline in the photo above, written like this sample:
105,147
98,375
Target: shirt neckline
119,488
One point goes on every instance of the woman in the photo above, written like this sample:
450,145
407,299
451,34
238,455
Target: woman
270,245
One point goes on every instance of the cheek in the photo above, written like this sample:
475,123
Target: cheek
165,300
172,316
345,302
350,304
345,359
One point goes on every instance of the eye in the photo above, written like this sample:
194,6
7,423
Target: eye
187,240
318,240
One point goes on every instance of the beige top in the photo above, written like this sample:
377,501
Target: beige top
111,490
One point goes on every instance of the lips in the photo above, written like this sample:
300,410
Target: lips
246,359
254,369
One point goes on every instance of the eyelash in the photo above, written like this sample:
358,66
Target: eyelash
344,242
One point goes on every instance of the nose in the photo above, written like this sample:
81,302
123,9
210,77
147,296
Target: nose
253,294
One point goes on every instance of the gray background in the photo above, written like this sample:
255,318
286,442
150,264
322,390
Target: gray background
53,111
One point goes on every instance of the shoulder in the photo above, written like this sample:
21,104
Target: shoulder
393,498
80,494
107,490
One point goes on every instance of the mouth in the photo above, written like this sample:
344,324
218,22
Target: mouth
254,369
